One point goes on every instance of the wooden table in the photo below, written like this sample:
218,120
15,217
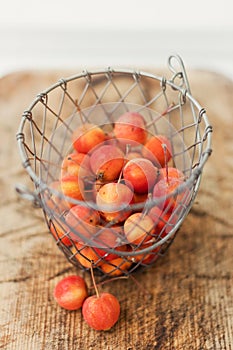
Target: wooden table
191,287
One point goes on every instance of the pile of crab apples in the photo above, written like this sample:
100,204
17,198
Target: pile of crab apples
111,182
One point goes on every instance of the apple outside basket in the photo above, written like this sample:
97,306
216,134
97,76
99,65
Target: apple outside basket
100,97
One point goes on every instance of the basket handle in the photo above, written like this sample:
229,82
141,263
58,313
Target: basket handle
177,67
25,193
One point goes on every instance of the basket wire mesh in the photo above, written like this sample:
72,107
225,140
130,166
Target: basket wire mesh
100,97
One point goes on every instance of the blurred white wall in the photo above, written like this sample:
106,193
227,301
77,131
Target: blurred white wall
152,14
73,33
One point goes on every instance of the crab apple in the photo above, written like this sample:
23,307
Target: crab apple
86,256
109,237
72,186
76,164
106,162
164,220
102,311
141,173
145,258
130,129
107,256
138,228
86,137
116,267
140,256
163,190
60,232
82,220
158,149
71,292
151,257
95,186
170,172
140,198
113,200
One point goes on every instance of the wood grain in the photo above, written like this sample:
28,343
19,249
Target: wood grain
188,303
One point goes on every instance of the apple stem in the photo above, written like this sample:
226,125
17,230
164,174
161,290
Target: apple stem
111,280
127,149
94,283
126,277
120,177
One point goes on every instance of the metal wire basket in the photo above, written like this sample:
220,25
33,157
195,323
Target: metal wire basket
99,97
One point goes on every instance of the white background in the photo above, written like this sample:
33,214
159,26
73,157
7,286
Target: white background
79,34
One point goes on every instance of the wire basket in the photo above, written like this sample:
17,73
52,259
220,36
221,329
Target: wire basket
147,224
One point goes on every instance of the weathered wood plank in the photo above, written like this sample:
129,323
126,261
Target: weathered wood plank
191,296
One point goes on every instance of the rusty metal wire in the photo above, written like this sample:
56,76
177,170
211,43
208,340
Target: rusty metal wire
99,97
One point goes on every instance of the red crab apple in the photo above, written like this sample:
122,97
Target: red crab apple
110,257
106,162
85,255
101,311
152,257
164,220
60,232
164,189
170,172
76,164
140,198
117,266
138,228
96,186
72,186
130,129
158,150
113,199
70,292
82,220
145,258
141,173
109,237
86,137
